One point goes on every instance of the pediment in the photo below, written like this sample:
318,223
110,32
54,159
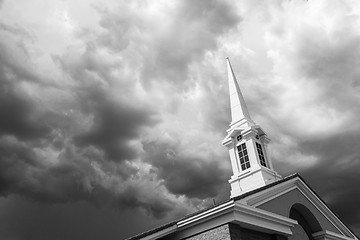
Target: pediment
232,132
280,198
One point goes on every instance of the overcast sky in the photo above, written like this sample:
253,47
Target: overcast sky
112,112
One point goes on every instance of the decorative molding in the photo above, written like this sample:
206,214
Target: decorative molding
252,178
256,217
235,212
328,235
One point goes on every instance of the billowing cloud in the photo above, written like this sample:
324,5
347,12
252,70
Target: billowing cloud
191,176
191,32
115,110
106,133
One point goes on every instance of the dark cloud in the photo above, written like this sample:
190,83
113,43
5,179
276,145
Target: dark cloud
338,187
191,176
59,153
329,61
114,127
24,172
155,207
75,175
117,118
14,159
16,109
18,115
21,116
23,219
339,161
76,161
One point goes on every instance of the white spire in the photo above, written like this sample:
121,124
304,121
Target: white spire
239,112
247,145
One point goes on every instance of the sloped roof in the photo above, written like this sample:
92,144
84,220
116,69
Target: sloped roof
171,226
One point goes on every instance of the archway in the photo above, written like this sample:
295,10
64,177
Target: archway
307,223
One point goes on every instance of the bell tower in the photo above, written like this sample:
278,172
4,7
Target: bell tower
247,145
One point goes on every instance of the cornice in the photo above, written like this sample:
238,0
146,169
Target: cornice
236,212
328,235
256,217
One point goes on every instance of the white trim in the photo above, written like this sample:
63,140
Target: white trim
245,214
245,173
161,233
328,235
271,197
206,214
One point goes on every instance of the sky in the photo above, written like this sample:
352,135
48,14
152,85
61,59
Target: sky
113,112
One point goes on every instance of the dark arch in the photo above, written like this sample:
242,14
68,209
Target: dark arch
305,219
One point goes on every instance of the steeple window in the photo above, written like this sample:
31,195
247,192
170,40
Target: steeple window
243,157
261,154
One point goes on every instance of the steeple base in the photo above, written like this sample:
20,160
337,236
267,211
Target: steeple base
252,179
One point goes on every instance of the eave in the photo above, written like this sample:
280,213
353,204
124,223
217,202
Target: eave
228,212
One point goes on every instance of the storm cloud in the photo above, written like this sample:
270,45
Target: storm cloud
112,113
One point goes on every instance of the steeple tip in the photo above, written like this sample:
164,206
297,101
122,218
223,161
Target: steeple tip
239,111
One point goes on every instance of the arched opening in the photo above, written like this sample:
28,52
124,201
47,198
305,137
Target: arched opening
307,223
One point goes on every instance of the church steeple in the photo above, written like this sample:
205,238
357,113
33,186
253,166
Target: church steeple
247,145
239,112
